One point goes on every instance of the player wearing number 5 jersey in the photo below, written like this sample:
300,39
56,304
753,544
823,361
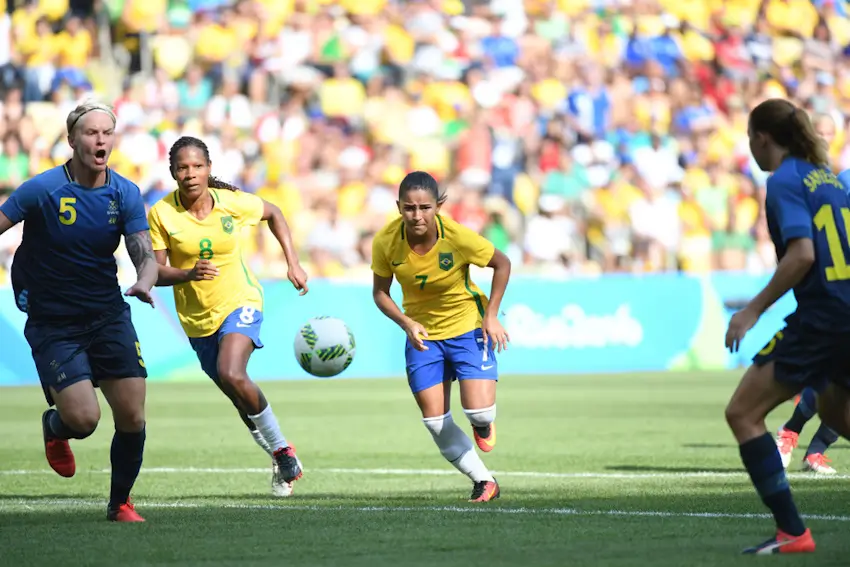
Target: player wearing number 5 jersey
197,230
808,216
78,324
452,329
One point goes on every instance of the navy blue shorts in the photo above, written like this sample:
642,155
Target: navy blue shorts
807,358
245,321
460,358
106,348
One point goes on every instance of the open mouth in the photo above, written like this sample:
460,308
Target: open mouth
100,155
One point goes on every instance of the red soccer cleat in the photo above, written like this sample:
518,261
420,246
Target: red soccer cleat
785,543
486,440
58,451
485,491
124,513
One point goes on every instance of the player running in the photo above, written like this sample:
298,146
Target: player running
451,327
197,230
78,324
805,405
807,212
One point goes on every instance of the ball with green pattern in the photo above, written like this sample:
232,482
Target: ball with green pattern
324,346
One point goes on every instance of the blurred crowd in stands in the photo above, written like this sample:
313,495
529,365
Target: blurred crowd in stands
579,136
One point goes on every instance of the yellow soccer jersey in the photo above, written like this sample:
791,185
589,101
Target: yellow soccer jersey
202,306
438,293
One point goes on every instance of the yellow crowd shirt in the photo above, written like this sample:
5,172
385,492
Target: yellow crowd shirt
438,293
202,306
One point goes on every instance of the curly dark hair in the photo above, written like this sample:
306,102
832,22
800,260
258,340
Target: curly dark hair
190,142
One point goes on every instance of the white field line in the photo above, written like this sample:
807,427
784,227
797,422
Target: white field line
442,472
32,504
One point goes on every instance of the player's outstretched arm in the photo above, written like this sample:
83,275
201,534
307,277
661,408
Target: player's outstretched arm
491,326
381,294
280,229
792,268
140,249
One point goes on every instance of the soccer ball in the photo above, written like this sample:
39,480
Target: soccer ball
324,346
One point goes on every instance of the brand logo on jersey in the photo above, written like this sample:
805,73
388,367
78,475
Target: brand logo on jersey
227,224
397,263
446,261
112,212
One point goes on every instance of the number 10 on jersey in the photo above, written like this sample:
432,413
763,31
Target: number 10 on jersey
825,220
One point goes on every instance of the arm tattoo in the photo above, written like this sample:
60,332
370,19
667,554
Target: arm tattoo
140,248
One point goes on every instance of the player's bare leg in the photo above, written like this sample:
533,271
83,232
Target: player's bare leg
834,409
756,396
234,351
126,397
478,398
454,444
76,416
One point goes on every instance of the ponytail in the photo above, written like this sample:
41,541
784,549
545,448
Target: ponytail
805,143
216,183
791,128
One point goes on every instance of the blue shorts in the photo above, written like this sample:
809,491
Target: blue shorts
245,321
106,348
460,358
807,358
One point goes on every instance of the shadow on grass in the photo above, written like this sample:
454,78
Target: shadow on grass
337,530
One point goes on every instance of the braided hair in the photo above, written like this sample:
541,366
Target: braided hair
190,142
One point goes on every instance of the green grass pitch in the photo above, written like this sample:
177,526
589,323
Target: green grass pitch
613,470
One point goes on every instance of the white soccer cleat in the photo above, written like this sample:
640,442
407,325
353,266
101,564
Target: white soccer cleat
786,442
818,464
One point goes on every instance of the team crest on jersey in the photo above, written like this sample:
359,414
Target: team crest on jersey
227,224
112,212
446,261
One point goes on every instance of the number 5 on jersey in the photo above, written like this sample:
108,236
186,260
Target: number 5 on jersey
206,249
139,354
67,212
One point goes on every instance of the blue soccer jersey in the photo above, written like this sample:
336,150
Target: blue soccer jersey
71,233
806,201
844,178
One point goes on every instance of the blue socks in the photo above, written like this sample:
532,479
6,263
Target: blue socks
126,458
761,458
58,430
822,440
805,410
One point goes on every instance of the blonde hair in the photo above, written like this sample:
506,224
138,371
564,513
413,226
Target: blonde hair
790,127
84,108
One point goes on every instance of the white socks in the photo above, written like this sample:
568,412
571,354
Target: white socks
457,447
259,440
481,417
269,429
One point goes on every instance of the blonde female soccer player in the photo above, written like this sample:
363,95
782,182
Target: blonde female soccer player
219,302
451,326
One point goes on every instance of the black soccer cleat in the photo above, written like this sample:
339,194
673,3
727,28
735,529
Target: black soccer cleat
289,466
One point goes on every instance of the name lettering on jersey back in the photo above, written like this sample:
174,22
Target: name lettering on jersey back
818,178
